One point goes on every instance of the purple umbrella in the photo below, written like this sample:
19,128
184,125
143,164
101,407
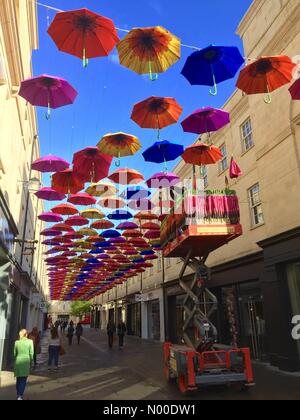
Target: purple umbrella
49,232
49,194
163,180
50,164
127,226
206,120
50,217
48,91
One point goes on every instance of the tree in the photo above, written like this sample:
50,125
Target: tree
80,308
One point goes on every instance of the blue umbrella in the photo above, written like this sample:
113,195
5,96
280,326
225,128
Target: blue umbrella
119,215
163,151
147,252
135,193
212,65
92,261
110,234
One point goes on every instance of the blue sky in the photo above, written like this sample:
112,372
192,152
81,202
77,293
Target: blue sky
108,91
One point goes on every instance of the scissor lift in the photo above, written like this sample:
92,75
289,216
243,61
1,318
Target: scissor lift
199,363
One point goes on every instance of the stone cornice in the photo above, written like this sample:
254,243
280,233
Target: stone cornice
249,16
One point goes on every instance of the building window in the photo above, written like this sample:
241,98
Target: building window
247,136
223,165
257,217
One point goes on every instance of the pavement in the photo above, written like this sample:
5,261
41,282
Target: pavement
90,371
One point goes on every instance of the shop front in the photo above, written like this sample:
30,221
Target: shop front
152,315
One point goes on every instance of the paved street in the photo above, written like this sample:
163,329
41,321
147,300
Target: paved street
91,372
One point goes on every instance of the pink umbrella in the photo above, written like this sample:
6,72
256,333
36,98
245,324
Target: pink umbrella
295,90
82,199
48,91
50,217
49,194
163,180
127,225
50,164
77,221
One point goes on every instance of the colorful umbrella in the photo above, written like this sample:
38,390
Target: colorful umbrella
162,152
49,194
102,224
146,216
85,231
62,227
93,214
119,145
120,215
202,154
126,177
127,226
50,164
102,189
48,232
266,75
84,34
149,50
76,221
150,226
82,199
91,165
234,171
47,91
142,205
50,217
212,65
135,193
206,120
67,182
295,90
163,180
65,209
156,112
112,203
111,234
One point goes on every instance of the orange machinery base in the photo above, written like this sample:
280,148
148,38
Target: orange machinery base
201,239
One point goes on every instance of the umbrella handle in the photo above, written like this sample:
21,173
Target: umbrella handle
85,61
214,91
268,99
153,76
118,163
48,114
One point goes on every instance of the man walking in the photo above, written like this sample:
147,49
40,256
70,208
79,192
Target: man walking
70,333
79,332
111,329
121,330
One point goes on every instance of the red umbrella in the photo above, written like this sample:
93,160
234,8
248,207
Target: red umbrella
62,227
73,235
67,182
102,224
65,209
82,199
84,34
91,165
77,221
126,177
150,226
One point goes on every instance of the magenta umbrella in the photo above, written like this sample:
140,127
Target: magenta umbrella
127,226
50,164
295,90
206,120
50,217
163,180
49,194
49,232
48,91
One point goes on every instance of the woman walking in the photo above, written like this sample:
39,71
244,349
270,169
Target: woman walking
35,337
121,330
70,333
23,353
111,329
53,349
79,332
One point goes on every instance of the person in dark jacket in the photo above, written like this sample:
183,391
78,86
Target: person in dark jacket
111,329
121,330
78,332
70,333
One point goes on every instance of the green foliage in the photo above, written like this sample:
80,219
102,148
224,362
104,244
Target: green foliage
79,308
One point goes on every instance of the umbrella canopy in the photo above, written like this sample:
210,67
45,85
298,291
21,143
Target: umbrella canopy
156,112
150,226
163,180
77,221
212,65
127,226
50,217
266,75
163,151
65,209
85,231
67,182
120,215
102,224
202,154
83,33
126,177
101,188
142,204
295,90
49,232
146,215
47,91
149,50
91,165
152,234
82,199
49,194
50,164
92,214
111,234
112,203
206,120
234,171
119,145
62,227
135,193
132,233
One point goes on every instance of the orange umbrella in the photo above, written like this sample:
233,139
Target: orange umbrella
266,75
149,50
202,154
126,177
156,112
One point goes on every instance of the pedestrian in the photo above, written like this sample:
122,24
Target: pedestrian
79,332
121,330
53,349
23,354
65,324
36,338
70,333
111,329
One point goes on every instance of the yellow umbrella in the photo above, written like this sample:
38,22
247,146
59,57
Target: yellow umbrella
149,50
101,189
119,145
92,214
87,232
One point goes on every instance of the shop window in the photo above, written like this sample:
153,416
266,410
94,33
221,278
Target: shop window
255,203
247,136
223,164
